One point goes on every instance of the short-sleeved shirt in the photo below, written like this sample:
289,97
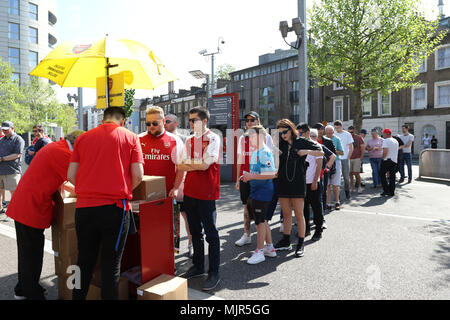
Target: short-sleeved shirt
378,143
434,143
392,145
426,141
357,143
338,145
161,155
262,161
346,140
105,155
8,146
244,149
407,138
203,184
31,203
311,170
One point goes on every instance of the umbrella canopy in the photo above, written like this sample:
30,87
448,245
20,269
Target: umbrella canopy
79,64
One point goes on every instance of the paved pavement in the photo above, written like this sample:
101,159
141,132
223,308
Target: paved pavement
374,248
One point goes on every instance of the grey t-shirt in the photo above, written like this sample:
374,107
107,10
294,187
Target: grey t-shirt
15,144
407,139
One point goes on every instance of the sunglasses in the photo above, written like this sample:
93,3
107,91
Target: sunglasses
194,120
284,132
154,123
168,121
250,120
35,131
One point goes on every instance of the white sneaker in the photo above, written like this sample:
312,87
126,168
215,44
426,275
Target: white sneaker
191,251
360,190
269,251
245,239
257,257
282,227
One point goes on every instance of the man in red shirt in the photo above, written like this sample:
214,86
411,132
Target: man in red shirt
356,159
105,167
201,190
31,207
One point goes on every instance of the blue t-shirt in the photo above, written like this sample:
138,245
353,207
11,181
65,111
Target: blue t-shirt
337,144
262,161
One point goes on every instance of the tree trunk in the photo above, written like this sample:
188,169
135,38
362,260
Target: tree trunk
357,112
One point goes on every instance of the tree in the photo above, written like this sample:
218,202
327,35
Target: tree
369,46
224,70
11,97
66,118
129,102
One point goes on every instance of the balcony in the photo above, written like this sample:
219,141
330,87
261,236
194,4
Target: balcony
51,19
51,40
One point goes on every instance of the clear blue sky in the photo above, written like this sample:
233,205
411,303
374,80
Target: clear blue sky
176,30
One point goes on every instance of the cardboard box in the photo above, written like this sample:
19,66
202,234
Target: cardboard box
164,287
64,212
95,292
151,188
62,262
64,293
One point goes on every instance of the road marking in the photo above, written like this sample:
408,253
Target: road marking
192,293
398,216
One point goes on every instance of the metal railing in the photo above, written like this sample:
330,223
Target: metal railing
435,163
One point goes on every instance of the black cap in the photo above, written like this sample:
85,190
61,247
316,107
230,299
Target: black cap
252,114
351,128
364,131
318,126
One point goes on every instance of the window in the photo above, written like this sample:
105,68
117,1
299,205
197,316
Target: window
235,78
338,109
419,97
266,96
442,94
442,57
13,31
384,104
14,56
33,11
367,106
264,71
14,7
33,59
295,115
283,66
272,69
33,35
337,86
423,67
267,114
290,64
278,68
295,63
256,73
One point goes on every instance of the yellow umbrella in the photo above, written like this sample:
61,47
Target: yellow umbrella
79,64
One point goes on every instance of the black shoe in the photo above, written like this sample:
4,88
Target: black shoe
18,295
307,233
193,272
384,194
329,208
347,195
409,180
317,235
362,185
211,282
283,244
337,206
401,180
300,251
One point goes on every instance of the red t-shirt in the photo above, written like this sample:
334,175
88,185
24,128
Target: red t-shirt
31,203
203,185
357,143
105,155
245,152
161,155
1,135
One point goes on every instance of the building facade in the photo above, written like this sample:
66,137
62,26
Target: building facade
425,109
27,33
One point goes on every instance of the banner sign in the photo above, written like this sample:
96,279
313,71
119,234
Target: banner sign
116,91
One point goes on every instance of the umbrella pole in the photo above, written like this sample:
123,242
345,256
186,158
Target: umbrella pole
107,82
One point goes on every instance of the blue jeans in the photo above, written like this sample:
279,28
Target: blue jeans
201,215
375,163
408,159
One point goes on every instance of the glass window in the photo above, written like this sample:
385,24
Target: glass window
236,77
290,64
283,66
444,95
419,98
256,73
14,33
14,7
266,96
33,35
278,68
272,69
338,109
423,67
295,63
443,58
33,59
295,115
267,115
33,11
367,106
385,104
14,56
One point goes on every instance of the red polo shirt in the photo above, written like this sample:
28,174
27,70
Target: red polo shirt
161,155
199,184
31,203
105,155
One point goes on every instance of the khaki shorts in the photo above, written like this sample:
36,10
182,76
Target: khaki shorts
355,165
9,182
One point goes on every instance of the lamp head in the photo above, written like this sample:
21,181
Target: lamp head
203,51
284,28
298,26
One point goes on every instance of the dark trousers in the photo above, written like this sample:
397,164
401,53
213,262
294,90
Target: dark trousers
313,199
99,227
30,252
408,160
324,185
391,167
201,215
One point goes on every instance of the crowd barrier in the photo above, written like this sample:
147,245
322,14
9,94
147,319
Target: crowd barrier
434,163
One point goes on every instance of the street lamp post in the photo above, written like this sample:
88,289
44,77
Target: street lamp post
205,53
79,99
298,26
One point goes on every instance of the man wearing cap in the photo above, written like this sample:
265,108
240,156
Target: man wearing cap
244,152
11,148
31,207
389,163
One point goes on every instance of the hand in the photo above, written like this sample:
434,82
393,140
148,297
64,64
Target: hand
237,185
173,193
246,177
31,153
302,153
314,186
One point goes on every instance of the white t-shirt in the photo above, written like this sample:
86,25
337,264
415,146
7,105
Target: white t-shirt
311,171
407,138
269,144
346,139
426,141
392,145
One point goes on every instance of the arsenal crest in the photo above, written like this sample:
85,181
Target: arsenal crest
166,144
81,48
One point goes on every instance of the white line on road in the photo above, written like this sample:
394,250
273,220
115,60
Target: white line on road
398,216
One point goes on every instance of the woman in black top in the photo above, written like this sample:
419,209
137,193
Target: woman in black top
291,188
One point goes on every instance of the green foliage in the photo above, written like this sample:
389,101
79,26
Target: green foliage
66,118
224,70
129,102
369,46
